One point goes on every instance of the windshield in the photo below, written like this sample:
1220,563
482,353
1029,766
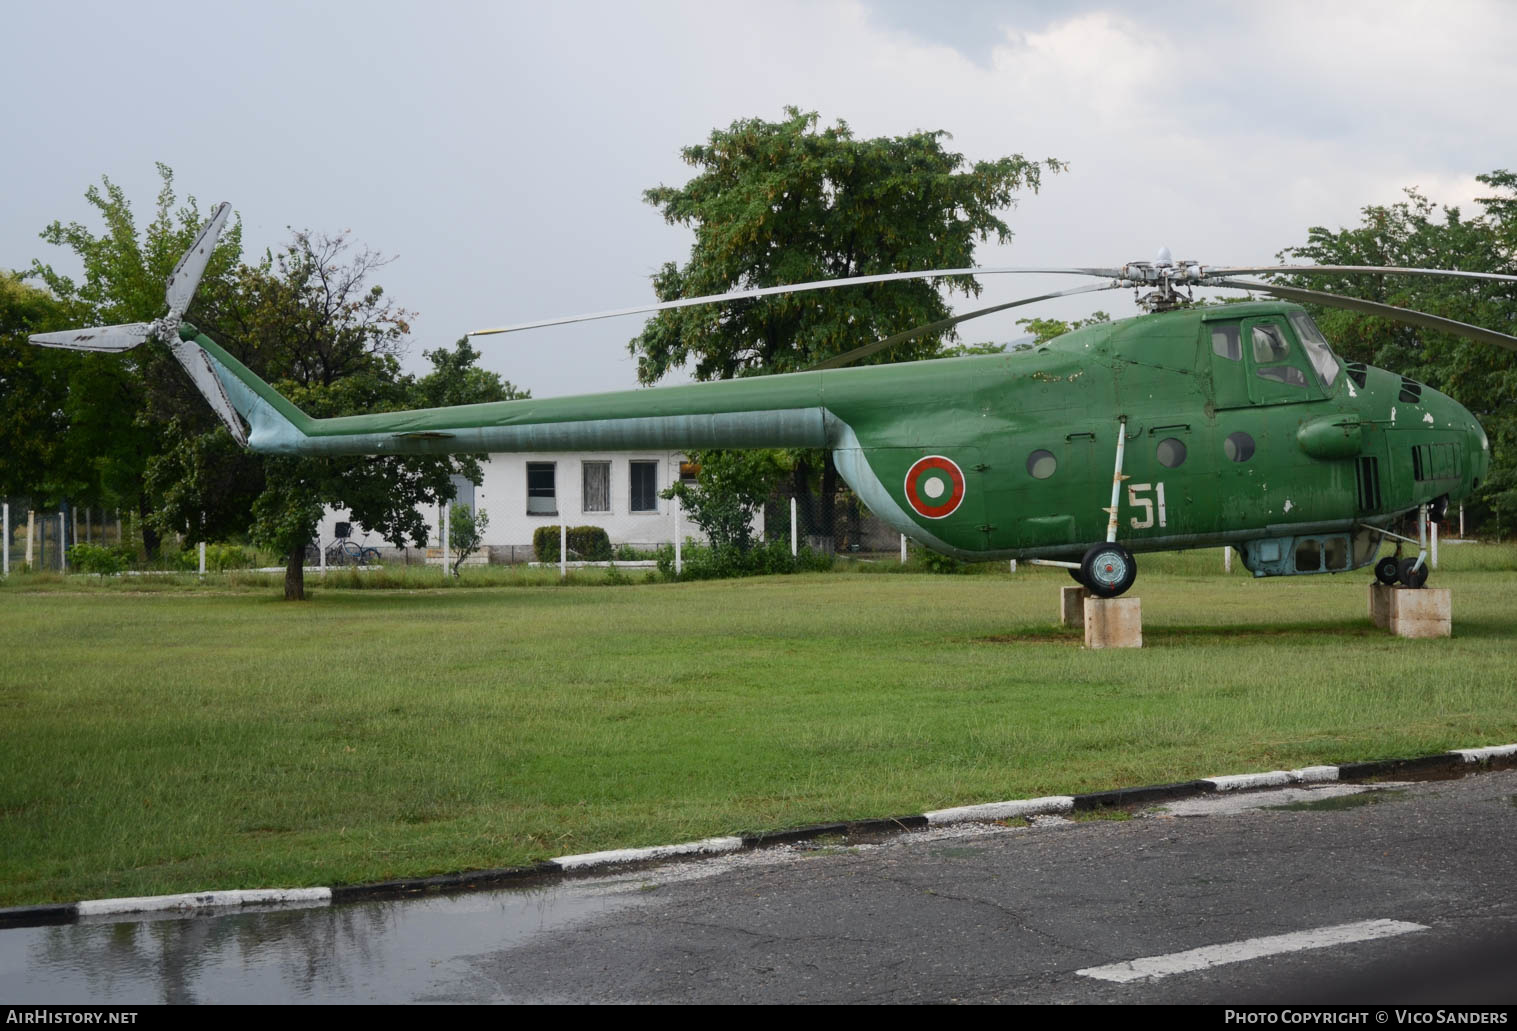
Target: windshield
1324,362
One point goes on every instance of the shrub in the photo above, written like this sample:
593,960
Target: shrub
586,544
92,558
218,558
706,563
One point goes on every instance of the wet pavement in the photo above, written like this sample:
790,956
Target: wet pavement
972,913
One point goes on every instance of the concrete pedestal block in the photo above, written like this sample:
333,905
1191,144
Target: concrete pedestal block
1421,613
1072,605
1113,623
1382,597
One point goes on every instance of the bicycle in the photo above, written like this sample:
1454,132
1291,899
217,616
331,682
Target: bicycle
346,551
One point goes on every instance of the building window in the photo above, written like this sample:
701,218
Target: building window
597,495
542,498
644,486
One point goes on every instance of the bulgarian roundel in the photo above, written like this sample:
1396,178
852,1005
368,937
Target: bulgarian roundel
934,486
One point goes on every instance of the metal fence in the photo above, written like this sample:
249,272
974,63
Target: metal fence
39,538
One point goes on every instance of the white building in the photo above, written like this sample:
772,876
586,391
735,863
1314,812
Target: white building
615,490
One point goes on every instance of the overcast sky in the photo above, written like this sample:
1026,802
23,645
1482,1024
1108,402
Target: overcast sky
500,149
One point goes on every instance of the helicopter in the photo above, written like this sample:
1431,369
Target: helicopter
1198,426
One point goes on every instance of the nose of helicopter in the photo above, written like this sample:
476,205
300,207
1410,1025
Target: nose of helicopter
1448,414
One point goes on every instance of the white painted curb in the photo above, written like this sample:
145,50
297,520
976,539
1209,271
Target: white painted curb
209,900
636,855
1475,755
1001,810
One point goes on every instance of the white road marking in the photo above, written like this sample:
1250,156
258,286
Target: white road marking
1249,948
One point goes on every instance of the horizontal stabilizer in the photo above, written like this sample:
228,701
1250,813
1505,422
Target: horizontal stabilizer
101,338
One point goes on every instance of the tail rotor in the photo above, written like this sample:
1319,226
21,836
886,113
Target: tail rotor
180,290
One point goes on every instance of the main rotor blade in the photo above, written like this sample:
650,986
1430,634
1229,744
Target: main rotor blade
186,275
795,288
1407,315
849,357
101,338
1262,269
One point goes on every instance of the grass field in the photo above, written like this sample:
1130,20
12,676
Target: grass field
169,735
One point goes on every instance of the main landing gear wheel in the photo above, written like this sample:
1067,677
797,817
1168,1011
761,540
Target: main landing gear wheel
1411,576
1388,570
1074,574
1108,570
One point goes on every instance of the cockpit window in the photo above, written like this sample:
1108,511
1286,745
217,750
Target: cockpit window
1270,345
1284,374
1224,341
1324,362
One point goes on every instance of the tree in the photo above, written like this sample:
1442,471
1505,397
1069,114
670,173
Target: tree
466,533
1044,330
729,491
114,418
33,390
788,202
1414,233
307,319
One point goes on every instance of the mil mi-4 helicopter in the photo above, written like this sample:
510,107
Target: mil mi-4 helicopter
1231,425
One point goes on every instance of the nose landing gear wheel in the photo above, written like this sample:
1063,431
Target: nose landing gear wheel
1410,576
1388,570
1108,570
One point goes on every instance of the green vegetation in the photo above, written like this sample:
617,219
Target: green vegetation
164,735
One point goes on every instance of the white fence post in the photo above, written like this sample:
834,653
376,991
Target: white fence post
563,549
31,537
447,534
1227,559
903,549
6,508
62,543
679,554
1434,556
202,558
321,554
794,530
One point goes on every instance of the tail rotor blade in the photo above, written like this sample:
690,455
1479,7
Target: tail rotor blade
186,275
101,338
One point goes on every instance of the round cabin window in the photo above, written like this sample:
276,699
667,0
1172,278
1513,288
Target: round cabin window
1171,453
1041,464
1239,447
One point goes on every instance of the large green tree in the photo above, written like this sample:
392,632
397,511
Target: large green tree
309,321
131,427
791,201
1416,232
113,425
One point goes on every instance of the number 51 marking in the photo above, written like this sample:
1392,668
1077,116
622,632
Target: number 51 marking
1135,499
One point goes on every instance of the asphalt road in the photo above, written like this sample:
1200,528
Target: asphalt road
976,914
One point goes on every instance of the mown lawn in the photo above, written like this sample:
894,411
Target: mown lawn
189,737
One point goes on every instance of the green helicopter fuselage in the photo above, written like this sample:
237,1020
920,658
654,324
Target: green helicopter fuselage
1240,425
